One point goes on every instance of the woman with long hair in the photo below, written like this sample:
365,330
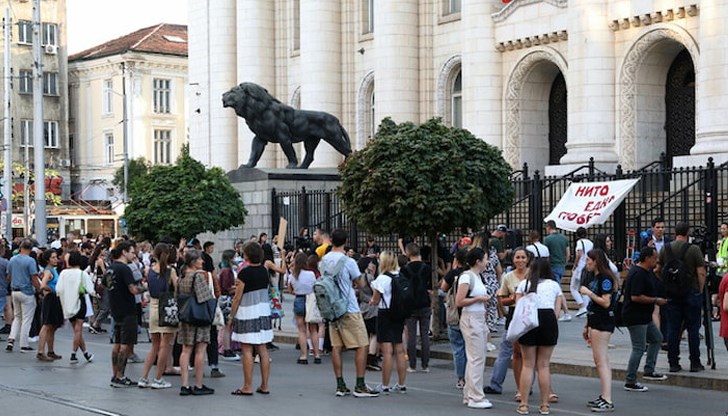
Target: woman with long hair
600,323
369,311
193,282
227,288
389,329
97,267
251,323
300,282
73,284
538,344
51,312
472,296
162,278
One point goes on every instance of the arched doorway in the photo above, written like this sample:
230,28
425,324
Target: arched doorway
680,106
557,120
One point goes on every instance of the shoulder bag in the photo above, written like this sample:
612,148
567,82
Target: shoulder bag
525,316
168,308
194,312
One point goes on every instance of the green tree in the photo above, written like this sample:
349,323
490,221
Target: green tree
182,200
424,180
138,168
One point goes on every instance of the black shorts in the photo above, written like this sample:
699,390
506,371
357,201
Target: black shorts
81,314
371,325
388,329
600,323
547,332
125,330
51,310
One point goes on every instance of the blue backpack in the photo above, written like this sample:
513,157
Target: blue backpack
331,300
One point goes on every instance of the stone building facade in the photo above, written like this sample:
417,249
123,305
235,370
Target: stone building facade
551,82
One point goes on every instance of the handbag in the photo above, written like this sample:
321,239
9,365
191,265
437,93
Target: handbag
194,312
219,319
525,316
313,316
168,312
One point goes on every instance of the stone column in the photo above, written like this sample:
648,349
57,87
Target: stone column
396,74
213,130
321,68
481,71
712,83
591,78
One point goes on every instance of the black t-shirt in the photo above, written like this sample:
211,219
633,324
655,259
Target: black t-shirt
601,285
120,298
452,275
421,277
207,264
84,262
639,282
254,278
267,251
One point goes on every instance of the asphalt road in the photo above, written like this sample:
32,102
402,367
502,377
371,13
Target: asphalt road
29,387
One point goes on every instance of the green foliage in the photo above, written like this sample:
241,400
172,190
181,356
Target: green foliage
138,168
423,179
182,200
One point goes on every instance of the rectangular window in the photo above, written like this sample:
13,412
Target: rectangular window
25,81
108,96
296,25
162,146
108,148
25,32
367,14
453,6
50,34
50,134
162,96
26,133
50,83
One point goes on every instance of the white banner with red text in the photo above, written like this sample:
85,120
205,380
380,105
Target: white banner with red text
589,203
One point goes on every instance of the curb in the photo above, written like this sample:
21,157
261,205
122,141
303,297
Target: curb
674,379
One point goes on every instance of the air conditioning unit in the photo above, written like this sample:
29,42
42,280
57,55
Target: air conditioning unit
51,49
65,163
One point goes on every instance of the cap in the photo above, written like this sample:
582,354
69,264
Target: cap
193,242
466,240
501,227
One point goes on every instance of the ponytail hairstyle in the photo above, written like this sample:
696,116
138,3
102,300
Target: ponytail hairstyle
540,269
161,253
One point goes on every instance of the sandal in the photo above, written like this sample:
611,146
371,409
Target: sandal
240,392
553,398
544,409
522,409
517,397
303,361
261,391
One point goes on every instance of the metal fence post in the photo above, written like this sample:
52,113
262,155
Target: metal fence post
591,169
536,203
327,211
274,212
711,205
303,210
620,220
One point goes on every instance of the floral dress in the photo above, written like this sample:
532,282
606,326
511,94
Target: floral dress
490,280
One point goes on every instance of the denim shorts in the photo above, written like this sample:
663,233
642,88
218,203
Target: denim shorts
299,305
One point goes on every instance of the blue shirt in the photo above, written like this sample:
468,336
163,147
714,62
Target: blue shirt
348,275
3,273
52,283
21,269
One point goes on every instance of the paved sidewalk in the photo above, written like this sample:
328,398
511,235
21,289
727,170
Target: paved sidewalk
573,357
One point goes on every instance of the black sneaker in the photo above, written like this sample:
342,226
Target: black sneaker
603,406
654,376
185,391
342,391
696,368
491,390
595,402
635,387
9,348
5,329
675,368
272,347
93,330
365,391
123,383
27,349
202,391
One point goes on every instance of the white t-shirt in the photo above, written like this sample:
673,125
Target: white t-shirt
538,250
303,285
584,245
478,289
383,285
349,274
547,292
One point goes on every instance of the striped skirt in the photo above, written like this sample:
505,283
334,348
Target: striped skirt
252,322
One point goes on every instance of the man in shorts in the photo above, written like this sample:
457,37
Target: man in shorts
349,331
122,289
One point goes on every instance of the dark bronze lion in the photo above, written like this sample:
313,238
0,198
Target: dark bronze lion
274,122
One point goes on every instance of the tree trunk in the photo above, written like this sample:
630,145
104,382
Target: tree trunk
435,285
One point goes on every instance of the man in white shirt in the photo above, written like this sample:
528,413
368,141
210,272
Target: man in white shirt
536,247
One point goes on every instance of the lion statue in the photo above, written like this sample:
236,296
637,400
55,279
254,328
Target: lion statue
272,121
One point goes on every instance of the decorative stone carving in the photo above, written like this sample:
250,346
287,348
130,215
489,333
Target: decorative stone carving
516,80
646,19
511,7
362,108
628,82
692,10
655,17
444,79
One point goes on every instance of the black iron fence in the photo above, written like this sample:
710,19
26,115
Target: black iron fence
697,195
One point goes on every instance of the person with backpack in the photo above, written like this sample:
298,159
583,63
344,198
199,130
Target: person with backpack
600,323
583,246
420,276
682,270
471,296
346,330
389,327
640,298
449,285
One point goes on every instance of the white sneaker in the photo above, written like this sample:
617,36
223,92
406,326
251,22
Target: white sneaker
382,389
143,383
160,384
483,404
565,318
490,347
399,388
581,312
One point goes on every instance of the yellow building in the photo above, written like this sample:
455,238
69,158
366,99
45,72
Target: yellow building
147,71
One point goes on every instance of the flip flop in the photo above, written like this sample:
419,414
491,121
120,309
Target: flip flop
553,398
239,392
261,391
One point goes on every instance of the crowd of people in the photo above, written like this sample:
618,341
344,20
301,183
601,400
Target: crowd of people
477,284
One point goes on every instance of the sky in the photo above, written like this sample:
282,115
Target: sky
93,22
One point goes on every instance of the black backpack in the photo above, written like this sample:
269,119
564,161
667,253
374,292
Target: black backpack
616,307
421,297
403,300
675,278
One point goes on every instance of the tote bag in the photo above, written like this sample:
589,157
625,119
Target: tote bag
525,316
168,313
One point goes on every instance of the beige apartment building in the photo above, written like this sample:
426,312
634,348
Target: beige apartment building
146,71
55,91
